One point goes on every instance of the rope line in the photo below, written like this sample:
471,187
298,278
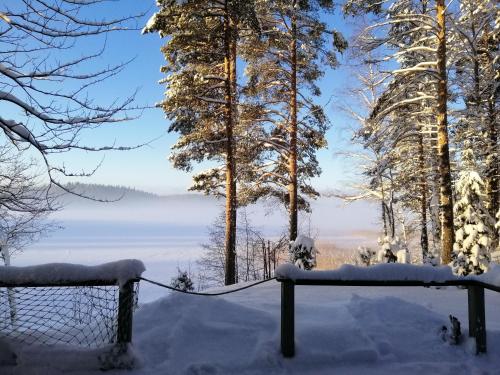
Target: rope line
206,294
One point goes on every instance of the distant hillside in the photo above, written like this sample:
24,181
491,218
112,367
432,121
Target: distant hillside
104,192
124,194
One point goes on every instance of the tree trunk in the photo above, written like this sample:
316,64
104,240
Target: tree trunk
492,164
445,194
382,201
424,238
229,69
11,292
492,157
292,187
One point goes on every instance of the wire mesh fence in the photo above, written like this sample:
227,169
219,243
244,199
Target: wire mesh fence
81,315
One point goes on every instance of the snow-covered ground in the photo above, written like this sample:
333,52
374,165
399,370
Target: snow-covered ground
341,330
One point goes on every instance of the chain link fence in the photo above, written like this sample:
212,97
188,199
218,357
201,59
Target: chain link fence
80,315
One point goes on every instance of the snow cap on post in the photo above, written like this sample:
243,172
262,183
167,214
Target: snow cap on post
58,273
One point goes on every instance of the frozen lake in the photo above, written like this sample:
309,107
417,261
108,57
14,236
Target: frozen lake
168,232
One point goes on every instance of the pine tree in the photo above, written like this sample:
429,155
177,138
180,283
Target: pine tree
473,223
411,35
445,180
201,95
283,68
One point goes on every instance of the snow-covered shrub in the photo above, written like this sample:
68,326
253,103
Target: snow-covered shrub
453,335
366,256
432,258
182,281
403,256
303,252
473,226
388,248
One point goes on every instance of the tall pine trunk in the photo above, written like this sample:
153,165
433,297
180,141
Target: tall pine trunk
292,187
492,164
445,194
229,71
424,237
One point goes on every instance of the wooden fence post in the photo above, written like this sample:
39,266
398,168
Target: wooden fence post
287,318
125,313
477,320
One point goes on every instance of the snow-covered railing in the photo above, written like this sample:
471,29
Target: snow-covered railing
68,303
399,275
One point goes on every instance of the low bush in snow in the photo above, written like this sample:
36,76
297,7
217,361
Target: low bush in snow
303,252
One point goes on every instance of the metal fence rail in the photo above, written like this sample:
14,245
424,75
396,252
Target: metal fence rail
475,293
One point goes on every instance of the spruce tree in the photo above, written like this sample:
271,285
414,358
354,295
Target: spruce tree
473,223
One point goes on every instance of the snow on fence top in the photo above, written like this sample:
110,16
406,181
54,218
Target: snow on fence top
492,276
388,272
378,272
59,273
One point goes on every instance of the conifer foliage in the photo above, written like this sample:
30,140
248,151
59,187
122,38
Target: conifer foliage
182,281
284,66
201,95
303,252
261,132
439,87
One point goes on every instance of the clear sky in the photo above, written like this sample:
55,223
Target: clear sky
148,168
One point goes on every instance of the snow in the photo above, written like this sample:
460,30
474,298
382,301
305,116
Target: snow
491,277
403,256
383,271
7,355
303,241
53,273
339,330
150,25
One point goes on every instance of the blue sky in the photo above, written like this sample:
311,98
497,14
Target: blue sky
148,168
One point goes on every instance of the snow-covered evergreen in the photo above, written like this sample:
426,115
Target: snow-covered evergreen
473,223
182,281
389,247
366,256
303,252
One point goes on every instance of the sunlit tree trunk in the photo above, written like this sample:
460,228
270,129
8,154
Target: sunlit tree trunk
292,188
445,196
424,238
230,73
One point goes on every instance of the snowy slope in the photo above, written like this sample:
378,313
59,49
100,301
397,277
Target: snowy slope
341,330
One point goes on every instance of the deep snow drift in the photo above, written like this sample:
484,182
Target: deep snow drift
342,330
